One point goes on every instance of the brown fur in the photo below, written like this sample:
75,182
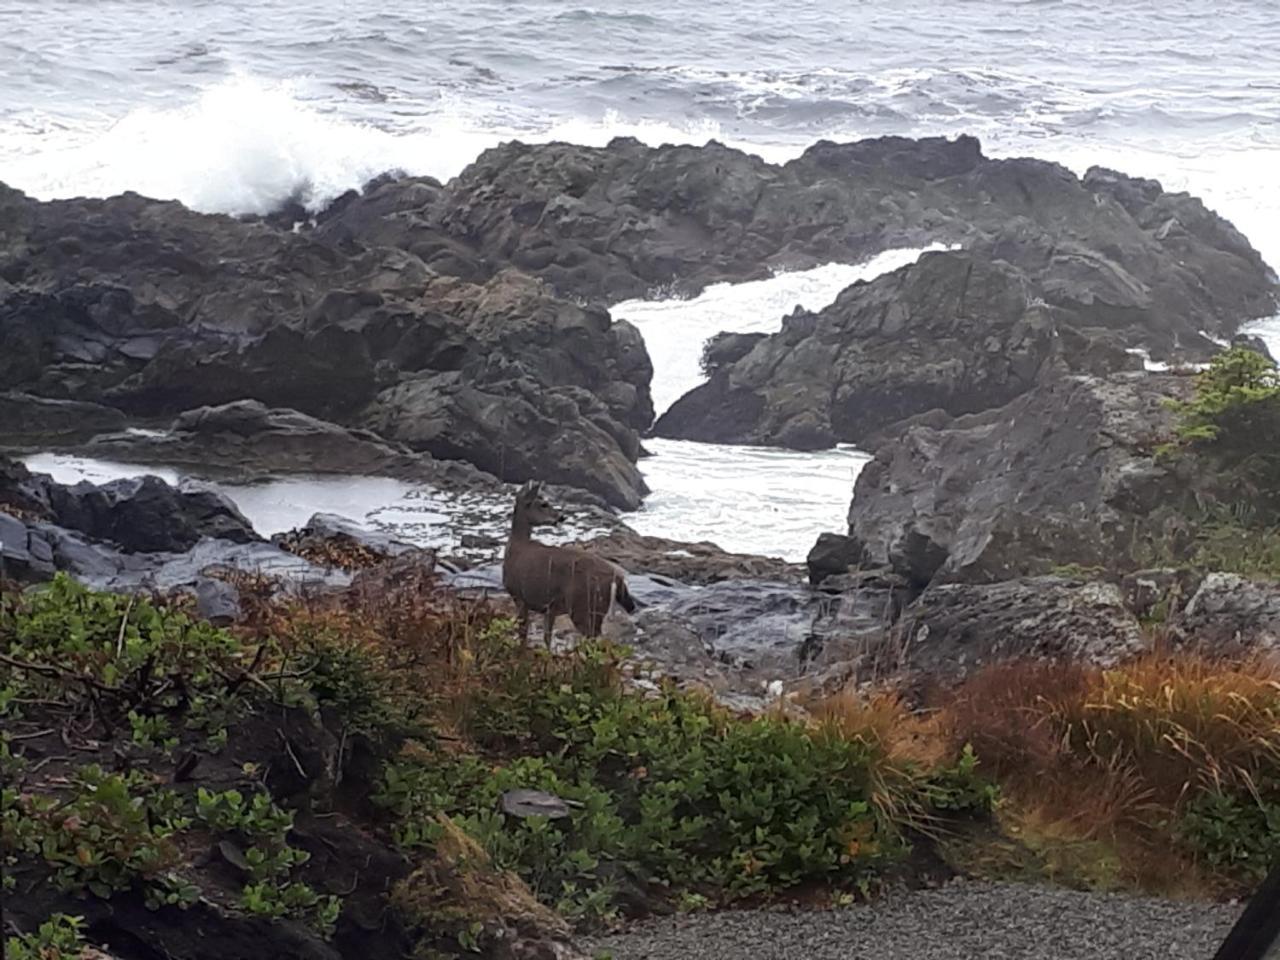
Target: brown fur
557,580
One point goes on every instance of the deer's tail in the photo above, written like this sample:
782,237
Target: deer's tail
622,595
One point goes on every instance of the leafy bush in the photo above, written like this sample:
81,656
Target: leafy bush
126,659
58,938
669,790
1238,831
112,831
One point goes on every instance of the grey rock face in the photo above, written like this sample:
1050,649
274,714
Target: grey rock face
1063,475
954,628
1229,612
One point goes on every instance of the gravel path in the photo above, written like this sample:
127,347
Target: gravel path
962,920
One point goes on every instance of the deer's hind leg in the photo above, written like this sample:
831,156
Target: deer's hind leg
590,610
548,621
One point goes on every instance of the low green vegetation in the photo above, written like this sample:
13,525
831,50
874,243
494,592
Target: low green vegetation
58,938
666,796
156,733
666,792
1234,398
82,662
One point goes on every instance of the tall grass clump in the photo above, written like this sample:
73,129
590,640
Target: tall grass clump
1167,754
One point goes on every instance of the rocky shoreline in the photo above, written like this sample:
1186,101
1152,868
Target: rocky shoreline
1036,492
457,336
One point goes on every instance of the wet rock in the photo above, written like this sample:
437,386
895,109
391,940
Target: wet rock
147,515
248,437
1230,613
625,219
137,514
955,628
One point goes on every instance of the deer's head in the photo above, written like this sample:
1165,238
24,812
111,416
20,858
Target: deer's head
534,507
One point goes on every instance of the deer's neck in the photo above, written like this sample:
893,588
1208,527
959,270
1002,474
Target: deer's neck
521,530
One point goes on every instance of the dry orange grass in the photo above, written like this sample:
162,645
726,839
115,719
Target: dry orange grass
1117,754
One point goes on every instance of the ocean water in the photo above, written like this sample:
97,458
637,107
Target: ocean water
233,106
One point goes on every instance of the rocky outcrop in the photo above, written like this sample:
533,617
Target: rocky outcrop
152,310
1056,267
955,332
27,419
1066,474
137,514
246,438
955,628
690,563
619,221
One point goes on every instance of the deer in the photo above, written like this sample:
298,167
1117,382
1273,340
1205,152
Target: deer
556,580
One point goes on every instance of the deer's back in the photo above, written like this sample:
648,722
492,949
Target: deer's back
542,575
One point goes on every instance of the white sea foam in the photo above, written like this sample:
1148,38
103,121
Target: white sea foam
245,146
758,500
747,499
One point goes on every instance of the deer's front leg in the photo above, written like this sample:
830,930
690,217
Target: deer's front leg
522,618
548,621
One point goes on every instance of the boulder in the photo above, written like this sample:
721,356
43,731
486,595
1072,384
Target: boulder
955,628
1066,474
137,514
958,332
832,555
688,563
246,438
1232,613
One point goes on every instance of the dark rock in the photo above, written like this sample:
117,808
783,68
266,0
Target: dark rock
146,515
154,310
217,601
689,563
724,349
29,419
831,556
248,437
954,628
955,332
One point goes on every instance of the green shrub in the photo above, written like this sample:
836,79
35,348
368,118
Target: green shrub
58,938
1238,831
127,658
670,791
1233,397
112,831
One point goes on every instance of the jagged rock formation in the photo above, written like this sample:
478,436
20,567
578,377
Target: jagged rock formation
150,309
